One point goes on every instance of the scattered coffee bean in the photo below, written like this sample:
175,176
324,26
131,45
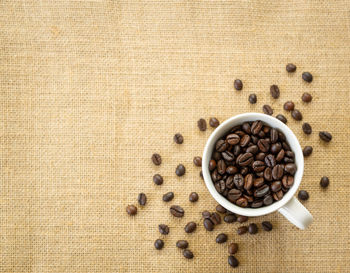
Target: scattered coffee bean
274,91
221,238
182,244
242,218
193,197
131,210
156,159
188,254
206,214
303,195
177,211
168,196
307,128
306,97
325,136
163,229
241,230
252,98
142,199
215,218
253,228
232,248
307,151
180,170
297,115
208,224
282,118
213,122
307,77
159,244
232,261
190,227
324,182
202,124
220,209
288,106
267,109
178,138
291,68
158,179
266,225
231,218
197,160
238,84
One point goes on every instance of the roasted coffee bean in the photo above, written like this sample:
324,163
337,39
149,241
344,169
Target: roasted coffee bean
260,156
240,133
256,127
156,159
297,115
208,224
197,160
252,149
307,151
163,229
221,167
131,210
266,225
285,146
303,195
193,197
249,198
244,170
177,211
221,238
282,118
232,139
212,164
325,136
202,125
276,148
274,91
232,261
180,170
288,106
253,228
266,129
268,174
268,200
262,191
287,181
260,174
220,209
246,127
159,244
273,135
245,159
270,161
234,194
241,230
236,150
248,181
188,254
263,145
280,155
215,218
142,199
216,156
252,98
307,128
231,170
220,186
206,214
232,248
277,195
277,172
229,182
242,202
168,196
242,218
290,154
238,180
291,68
267,109
238,84
324,182
221,145
289,168
190,227
254,139
306,97
230,218
244,141
258,166
257,203
276,186
213,122
228,156
178,138
281,136
215,175
182,244
307,76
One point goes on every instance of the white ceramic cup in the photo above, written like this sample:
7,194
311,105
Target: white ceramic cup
288,206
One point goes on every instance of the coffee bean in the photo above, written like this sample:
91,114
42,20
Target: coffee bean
256,127
291,68
277,195
280,155
232,261
178,138
289,168
274,91
221,145
288,106
213,122
221,167
325,136
163,229
158,179
180,170
142,199
241,230
287,181
159,244
208,224
303,195
232,139
263,145
190,227
230,218
244,141
267,110
306,97
253,228
277,172
212,164
297,115
131,210
324,182
242,202
282,118
242,218
168,196
197,160
215,175
252,98
233,248
193,197
268,200
220,186
273,135
238,84
270,161
202,125
220,209
188,254
276,148
156,159
276,186
307,77
262,191
245,159
252,149
266,225
307,151
268,174
215,218
307,128
177,211
238,180
221,238
206,214
182,244
285,146
248,181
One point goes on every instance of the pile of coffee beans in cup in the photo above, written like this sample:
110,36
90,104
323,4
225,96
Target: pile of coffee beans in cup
252,165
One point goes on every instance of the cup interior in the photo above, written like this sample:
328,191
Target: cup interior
222,130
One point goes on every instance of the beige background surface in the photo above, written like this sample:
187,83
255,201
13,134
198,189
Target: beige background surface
90,89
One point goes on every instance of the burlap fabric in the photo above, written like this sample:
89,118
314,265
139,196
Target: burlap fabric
90,89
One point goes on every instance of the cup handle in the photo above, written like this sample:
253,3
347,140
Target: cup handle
296,213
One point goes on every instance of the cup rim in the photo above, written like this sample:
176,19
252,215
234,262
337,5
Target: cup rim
221,130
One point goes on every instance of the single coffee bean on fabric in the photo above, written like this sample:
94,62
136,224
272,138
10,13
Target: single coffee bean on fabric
291,68
231,218
159,244
267,109
193,197
242,218
306,97
307,128
202,125
183,244
177,211
190,227
142,199
163,229
266,225
252,98
238,84
303,195
197,160
131,210
180,170
307,151
274,91
288,106
168,196
221,238
232,248
242,230
282,118
156,159
297,115
178,138
213,122
188,254
307,76
158,179
325,136
220,209
324,182
232,261
215,218
253,228
208,224
206,214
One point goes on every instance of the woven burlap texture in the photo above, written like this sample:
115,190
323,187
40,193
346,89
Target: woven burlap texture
90,89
